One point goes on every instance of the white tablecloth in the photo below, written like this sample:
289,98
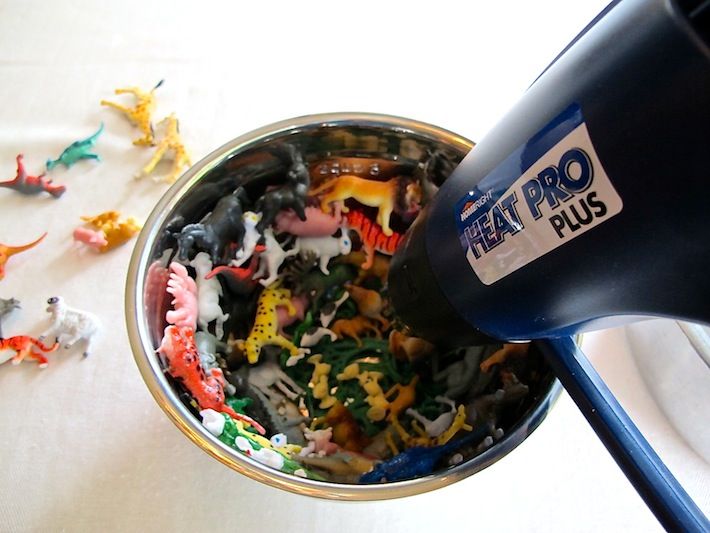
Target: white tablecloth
83,446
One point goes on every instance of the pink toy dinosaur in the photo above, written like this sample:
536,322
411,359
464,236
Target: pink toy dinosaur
184,291
317,223
90,237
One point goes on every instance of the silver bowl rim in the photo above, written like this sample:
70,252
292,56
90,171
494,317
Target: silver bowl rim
168,400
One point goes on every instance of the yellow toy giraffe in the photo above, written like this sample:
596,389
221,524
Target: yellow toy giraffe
171,141
266,325
116,232
140,114
409,441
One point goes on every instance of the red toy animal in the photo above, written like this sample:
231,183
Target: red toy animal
32,184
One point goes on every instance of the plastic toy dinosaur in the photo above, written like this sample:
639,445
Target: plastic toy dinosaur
77,151
140,114
22,346
179,348
115,232
171,141
265,329
8,251
32,184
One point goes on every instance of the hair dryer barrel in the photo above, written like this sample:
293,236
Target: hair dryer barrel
588,200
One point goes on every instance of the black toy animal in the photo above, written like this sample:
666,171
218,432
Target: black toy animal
216,231
292,194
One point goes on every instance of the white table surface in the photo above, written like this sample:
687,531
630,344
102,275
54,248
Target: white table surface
83,446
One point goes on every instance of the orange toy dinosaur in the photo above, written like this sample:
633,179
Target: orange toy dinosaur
8,251
22,345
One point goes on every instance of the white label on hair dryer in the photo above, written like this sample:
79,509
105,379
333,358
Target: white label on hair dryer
548,192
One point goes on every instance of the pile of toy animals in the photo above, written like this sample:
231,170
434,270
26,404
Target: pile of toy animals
280,336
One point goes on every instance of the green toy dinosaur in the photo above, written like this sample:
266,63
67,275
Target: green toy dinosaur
77,151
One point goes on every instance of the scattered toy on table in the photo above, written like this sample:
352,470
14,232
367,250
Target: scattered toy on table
317,223
184,291
291,194
398,194
8,251
22,346
70,325
250,240
324,248
7,307
30,185
108,232
77,151
140,114
171,141
265,329
372,236
179,348
217,230
208,294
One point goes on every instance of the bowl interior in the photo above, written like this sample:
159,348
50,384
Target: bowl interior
376,148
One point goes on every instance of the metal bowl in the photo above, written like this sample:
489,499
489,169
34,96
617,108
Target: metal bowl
399,142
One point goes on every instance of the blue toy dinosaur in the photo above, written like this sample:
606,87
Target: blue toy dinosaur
419,461
77,151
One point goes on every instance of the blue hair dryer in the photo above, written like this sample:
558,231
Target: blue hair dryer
588,202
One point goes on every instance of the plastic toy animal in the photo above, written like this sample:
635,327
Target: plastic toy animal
317,223
501,355
265,329
396,193
208,294
354,328
23,345
271,258
8,251
184,291
325,248
90,237
108,225
328,311
314,335
346,432
369,303
207,346
268,374
70,325
406,394
140,114
372,236
7,307
178,347
369,381
347,465
380,266
171,141
459,376
31,184
319,443
251,237
436,427
292,194
458,424
417,461
77,151
406,348
216,231
319,382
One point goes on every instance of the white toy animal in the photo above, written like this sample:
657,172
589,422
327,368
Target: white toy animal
314,335
271,258
208,293
325,248
436,427
251,237
70,325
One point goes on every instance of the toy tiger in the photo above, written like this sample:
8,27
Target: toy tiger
372,236
22,345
